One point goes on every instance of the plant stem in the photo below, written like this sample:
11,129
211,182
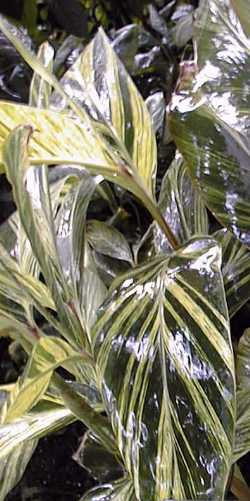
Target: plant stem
241,491
157,215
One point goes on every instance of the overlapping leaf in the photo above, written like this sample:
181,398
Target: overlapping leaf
166,371
235,270
242,437
48,354
107,240
45,418
210,115
103,86
181,206
121,490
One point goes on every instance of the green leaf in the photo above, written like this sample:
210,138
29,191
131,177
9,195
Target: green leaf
14,465
242,434
108,241
241,8
100,463
48,354
210,114
88,289
235,270
166,371
121,490
108,92
181,206
80,407
45,418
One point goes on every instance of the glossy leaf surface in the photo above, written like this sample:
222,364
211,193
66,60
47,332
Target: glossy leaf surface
242,437
48,354
100,463
181,206
45,418
235,270
121,490
166,371
104,87
107,240
210,114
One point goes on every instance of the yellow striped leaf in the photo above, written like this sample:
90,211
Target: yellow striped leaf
102,85
242,436
166,372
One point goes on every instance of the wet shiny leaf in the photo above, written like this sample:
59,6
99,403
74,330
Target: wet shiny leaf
107,240
121,490
166,371
235,270
242,436
101,83
48,354
157,108
181,206
210,115
43,419
100,463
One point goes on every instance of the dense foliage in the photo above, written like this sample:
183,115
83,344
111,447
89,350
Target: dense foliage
118,282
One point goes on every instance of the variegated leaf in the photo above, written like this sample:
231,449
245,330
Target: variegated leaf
48,354
40,90
103,86
242,436
181,205
210,113
166,371
235,270
13,466
45,418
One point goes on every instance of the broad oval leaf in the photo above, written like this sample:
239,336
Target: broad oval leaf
235,270
166,370
210,115
242,436
107,240
181,206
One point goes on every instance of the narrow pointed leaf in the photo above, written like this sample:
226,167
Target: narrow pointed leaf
40,90
80,407
121,490
242,435
166,371
48,354
235,270
181,206
108,92
210,114
45,418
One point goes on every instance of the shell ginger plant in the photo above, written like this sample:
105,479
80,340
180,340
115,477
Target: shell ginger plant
134,343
